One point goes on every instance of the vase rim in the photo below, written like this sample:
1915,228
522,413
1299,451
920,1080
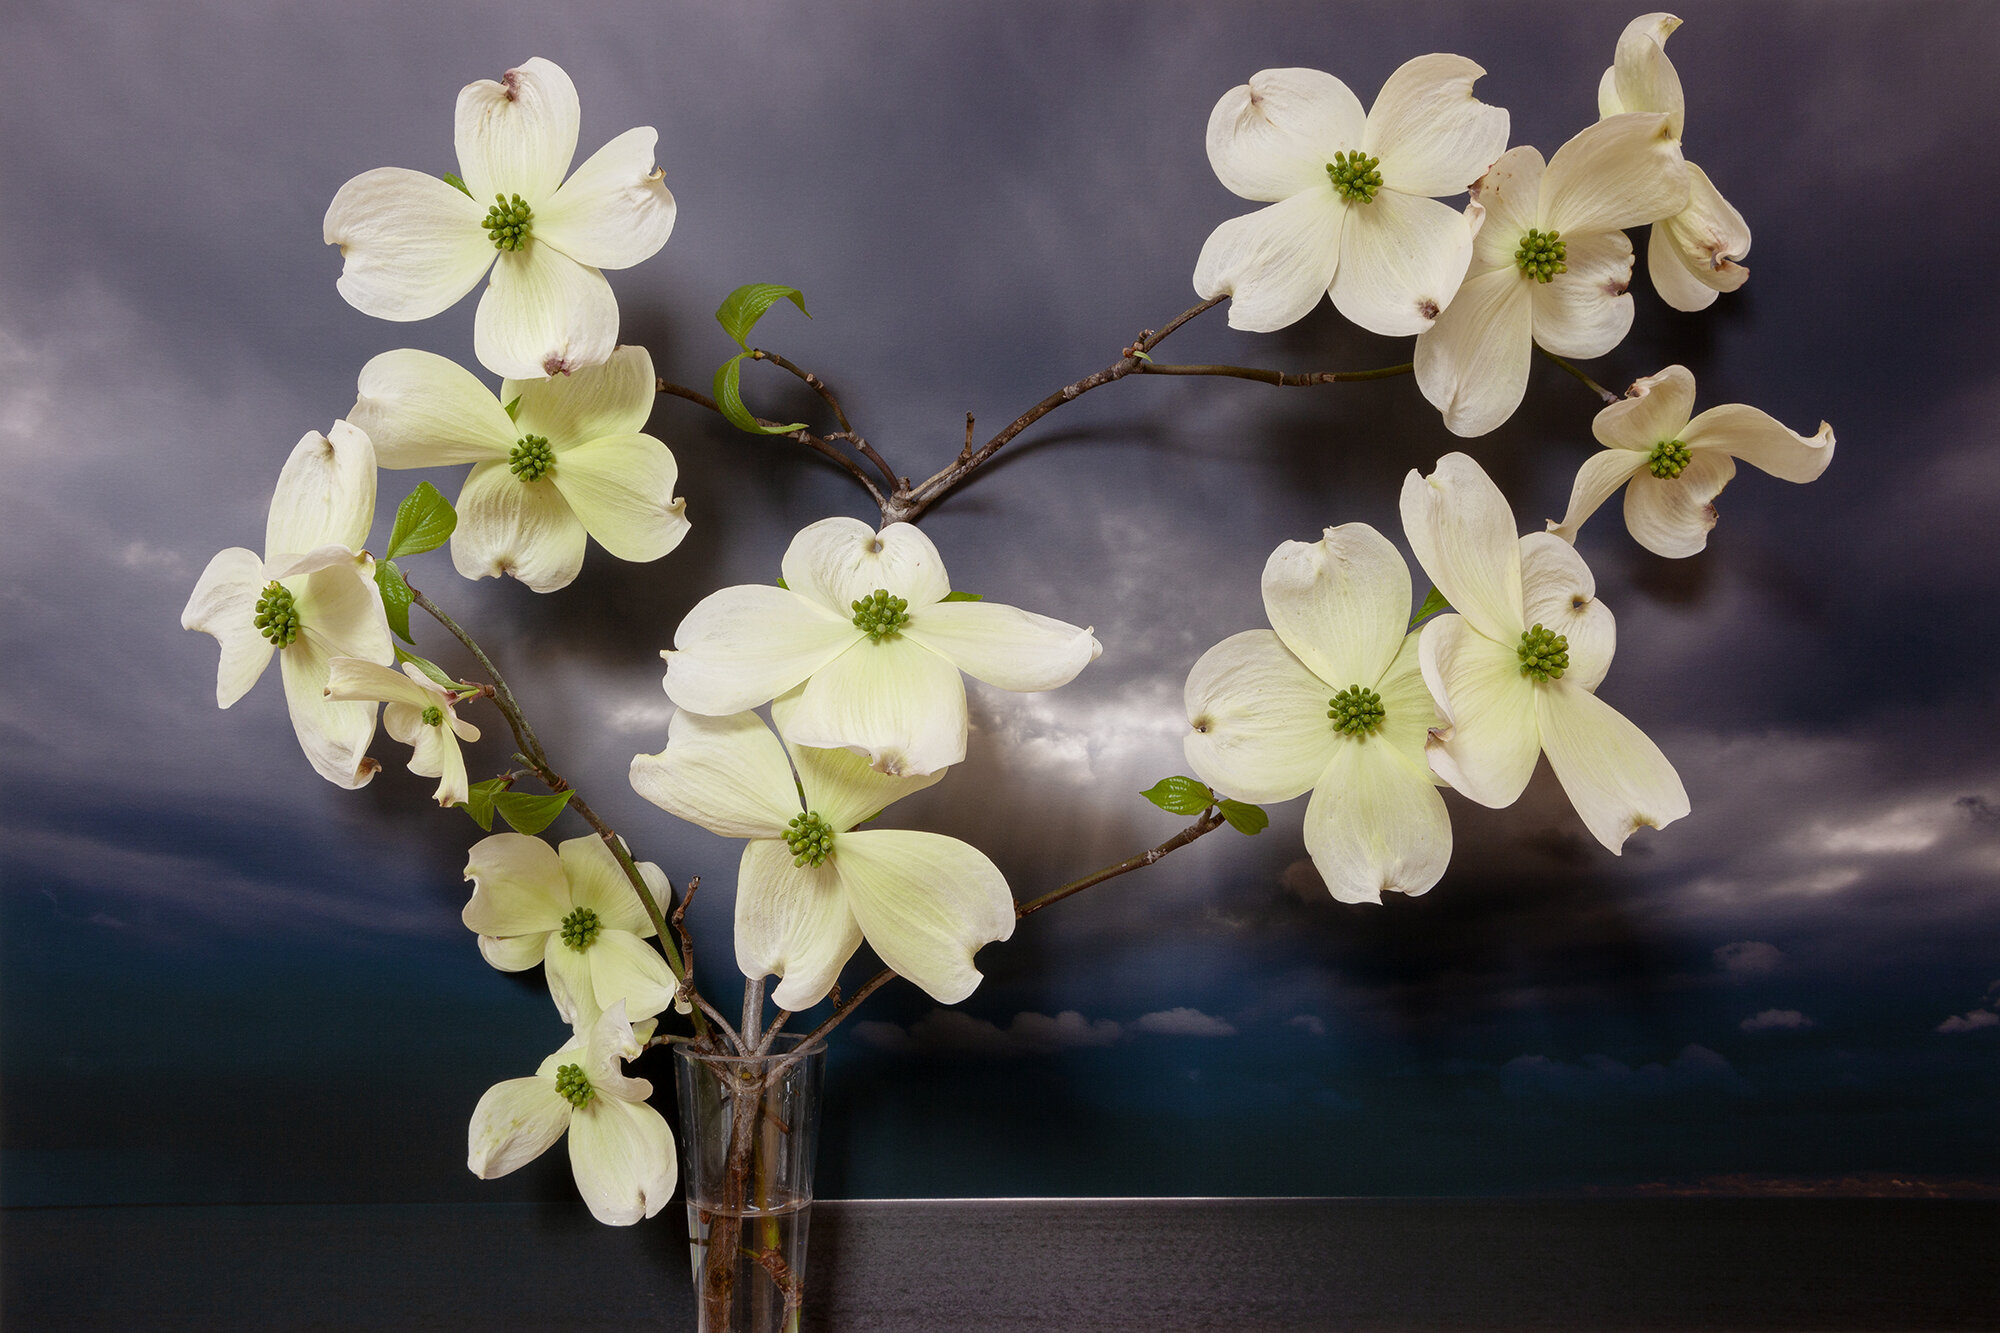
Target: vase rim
785,1046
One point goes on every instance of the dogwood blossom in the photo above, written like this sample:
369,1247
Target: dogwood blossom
569,461
310,599
620,1148
1330,699
421,714
1673,467
412,244
1515,669
1354,209
1690,254
811,886
1549,265
862,618
571,909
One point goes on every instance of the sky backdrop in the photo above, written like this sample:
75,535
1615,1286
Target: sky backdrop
226,980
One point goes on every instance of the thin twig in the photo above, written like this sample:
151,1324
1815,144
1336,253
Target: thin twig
771,1032
805,437
1287,379
812,381
1210,821
753,1013
1603,393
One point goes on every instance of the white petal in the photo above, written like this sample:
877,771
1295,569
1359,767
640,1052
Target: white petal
1509,195
1276,263
543,314
728,774
616,211
1642,76
340,609
895,701
1759,440
926,903
1004,645
422,410
615,398
1487,750
513,953
1601,475
1432,135
792,922
1472,363
1671,279
1653,411
598,882
1409,714
1706,237
625,967
621,488
1272,137
1620,172
410,245
353,678
510,526
1259,722
622,1155
1615,777
514,1123
838,560
744,646
224,604
1402,258
517,136
1340,604
567,972
1559,594
841,786
1673,517
1463,534
1585,310
518,887
333,735
437,755
325,494
1376,824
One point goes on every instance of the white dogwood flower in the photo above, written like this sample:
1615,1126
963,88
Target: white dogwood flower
1515,669
620,1148
1354,209
571,909
862,618
311,599
811,886
1691,253
421,714
1549,265
1672,468
1330,699
570,462
412,244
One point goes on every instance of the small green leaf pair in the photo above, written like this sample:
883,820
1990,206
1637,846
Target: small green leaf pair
523,811
424,521
1186,796
738,315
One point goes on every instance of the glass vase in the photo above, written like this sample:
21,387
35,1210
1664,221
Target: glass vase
749,1133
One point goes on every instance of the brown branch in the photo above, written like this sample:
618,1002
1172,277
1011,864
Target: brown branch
1290,380
1210,821
805,437
811,381
1603,394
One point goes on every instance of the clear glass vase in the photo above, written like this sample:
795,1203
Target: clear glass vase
749,1133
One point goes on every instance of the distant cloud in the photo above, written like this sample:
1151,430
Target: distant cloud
951,1032
1775,1020
1184,1022
1749,958
1696,1068
1970,1022
1308,1024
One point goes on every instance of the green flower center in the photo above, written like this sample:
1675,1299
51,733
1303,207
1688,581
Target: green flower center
278,615
1541,255
574,1087
880,616
1544,656
508,222
810,838
1354,176
579,929
1668,459
532,459
433,716
1356,711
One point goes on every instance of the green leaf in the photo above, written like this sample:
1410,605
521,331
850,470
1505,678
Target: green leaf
1180,795
956,596
513,409
451,179
782,584
424,522
1433,604
1247,819
430,669
396,598
1140,355
742,308
529,813
729,398
479,798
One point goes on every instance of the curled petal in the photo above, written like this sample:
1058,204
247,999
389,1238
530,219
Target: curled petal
895,701
926,903
1559,594
792,922
224,604
621,488
1620,172
1586,310
616,211
1693,254
1376,824
1462,530
1432,135
615,398
325,495
1274,264
1653,411
352,678
1004,645
514,1123
1273,137
517,136
333,735
1472,363
1615,777
836,561
410,245
598,882
518,887
1340,604
1402,258
543,314
513,953
1761,441
1672,517
727,773
522,528
434,751
744,646
1487,748
1596,481
622,1155
423,410
1259,722
1641,78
